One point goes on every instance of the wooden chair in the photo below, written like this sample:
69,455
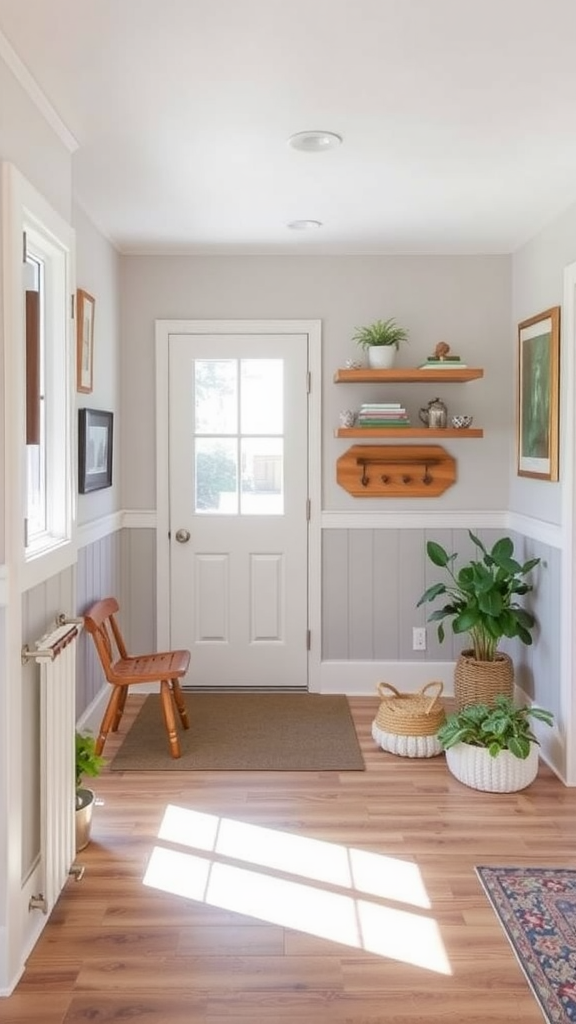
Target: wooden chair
123,670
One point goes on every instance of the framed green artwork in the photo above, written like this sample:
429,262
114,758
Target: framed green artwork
538,395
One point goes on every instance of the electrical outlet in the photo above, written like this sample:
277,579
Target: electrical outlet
419,638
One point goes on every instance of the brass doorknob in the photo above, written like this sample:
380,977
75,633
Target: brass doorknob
182,536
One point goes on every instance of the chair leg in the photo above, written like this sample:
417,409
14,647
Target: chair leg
180,703
169,719
109,718
120,708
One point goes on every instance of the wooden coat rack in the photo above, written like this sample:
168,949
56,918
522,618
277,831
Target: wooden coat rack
396,471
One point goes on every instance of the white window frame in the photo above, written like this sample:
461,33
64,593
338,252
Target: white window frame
26,212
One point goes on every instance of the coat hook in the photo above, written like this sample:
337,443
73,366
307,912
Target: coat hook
427,478
384,479
406,479
364,479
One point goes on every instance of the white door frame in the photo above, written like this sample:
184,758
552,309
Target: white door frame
164,328
568,477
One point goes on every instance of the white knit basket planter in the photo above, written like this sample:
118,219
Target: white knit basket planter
406,746
501,774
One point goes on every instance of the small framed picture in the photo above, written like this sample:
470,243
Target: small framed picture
94,449
538,395
85,306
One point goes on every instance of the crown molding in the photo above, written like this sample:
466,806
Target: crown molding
24,77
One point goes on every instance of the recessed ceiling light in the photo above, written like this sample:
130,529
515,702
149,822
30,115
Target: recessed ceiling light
304,225
314,141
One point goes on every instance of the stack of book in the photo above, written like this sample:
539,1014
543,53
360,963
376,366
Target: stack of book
447,363
382,414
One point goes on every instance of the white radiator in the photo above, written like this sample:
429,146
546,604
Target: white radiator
56,653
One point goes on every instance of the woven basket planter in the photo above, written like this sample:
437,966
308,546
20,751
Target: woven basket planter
479,682
501,774
406,723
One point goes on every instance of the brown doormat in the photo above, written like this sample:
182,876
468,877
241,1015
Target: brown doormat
247,732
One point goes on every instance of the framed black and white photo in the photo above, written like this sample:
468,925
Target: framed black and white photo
94,449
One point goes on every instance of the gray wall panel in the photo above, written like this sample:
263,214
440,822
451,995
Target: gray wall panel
98,575
335,595
361,570
138,586
386,547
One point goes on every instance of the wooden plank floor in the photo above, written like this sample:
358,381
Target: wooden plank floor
381,922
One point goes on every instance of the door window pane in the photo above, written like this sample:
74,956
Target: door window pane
262,396
217,475
216,391
262,476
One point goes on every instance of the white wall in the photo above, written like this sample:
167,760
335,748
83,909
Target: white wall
537,284
462,300
97,270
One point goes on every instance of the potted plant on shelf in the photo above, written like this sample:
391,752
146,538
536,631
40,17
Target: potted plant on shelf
382,340
481,601
493,748
88,762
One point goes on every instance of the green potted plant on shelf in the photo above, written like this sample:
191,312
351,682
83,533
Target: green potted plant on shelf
88,762
381,339
493,748
480,599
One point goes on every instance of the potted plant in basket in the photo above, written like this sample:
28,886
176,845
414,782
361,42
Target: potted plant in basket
481,601
493,748
88,762
382,340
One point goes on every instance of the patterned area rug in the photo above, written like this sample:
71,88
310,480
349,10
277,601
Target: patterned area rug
537,910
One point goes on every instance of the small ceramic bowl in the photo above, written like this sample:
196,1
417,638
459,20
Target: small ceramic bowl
462,422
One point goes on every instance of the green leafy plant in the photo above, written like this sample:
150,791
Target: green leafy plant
381,332
88,762
501,727
481,596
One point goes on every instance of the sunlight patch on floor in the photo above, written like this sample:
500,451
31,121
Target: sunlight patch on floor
399,934
332,863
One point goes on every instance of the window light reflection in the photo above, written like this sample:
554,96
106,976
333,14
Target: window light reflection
334,864
389,931
397,934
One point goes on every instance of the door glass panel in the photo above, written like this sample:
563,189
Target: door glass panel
217,475
262,396
216,391
262,476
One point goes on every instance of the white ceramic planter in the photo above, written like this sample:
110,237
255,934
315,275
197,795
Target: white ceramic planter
406,746
381,357
502,774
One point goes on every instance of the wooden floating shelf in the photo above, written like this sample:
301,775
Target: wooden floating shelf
407,376
408,432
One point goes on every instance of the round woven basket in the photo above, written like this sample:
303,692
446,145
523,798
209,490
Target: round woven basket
479,682
406,723
501,774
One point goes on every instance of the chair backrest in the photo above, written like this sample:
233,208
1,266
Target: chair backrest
100,621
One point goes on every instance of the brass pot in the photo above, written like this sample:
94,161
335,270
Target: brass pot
85,800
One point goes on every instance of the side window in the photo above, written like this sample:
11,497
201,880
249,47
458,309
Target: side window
38,382
47,520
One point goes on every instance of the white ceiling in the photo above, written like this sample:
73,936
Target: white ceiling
458,118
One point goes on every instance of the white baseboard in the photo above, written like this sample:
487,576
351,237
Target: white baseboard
361,678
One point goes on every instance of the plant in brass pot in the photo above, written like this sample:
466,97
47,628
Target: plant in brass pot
88,762
382,340
480,599
493,748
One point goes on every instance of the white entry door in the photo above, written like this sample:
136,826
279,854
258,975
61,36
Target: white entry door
238,472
